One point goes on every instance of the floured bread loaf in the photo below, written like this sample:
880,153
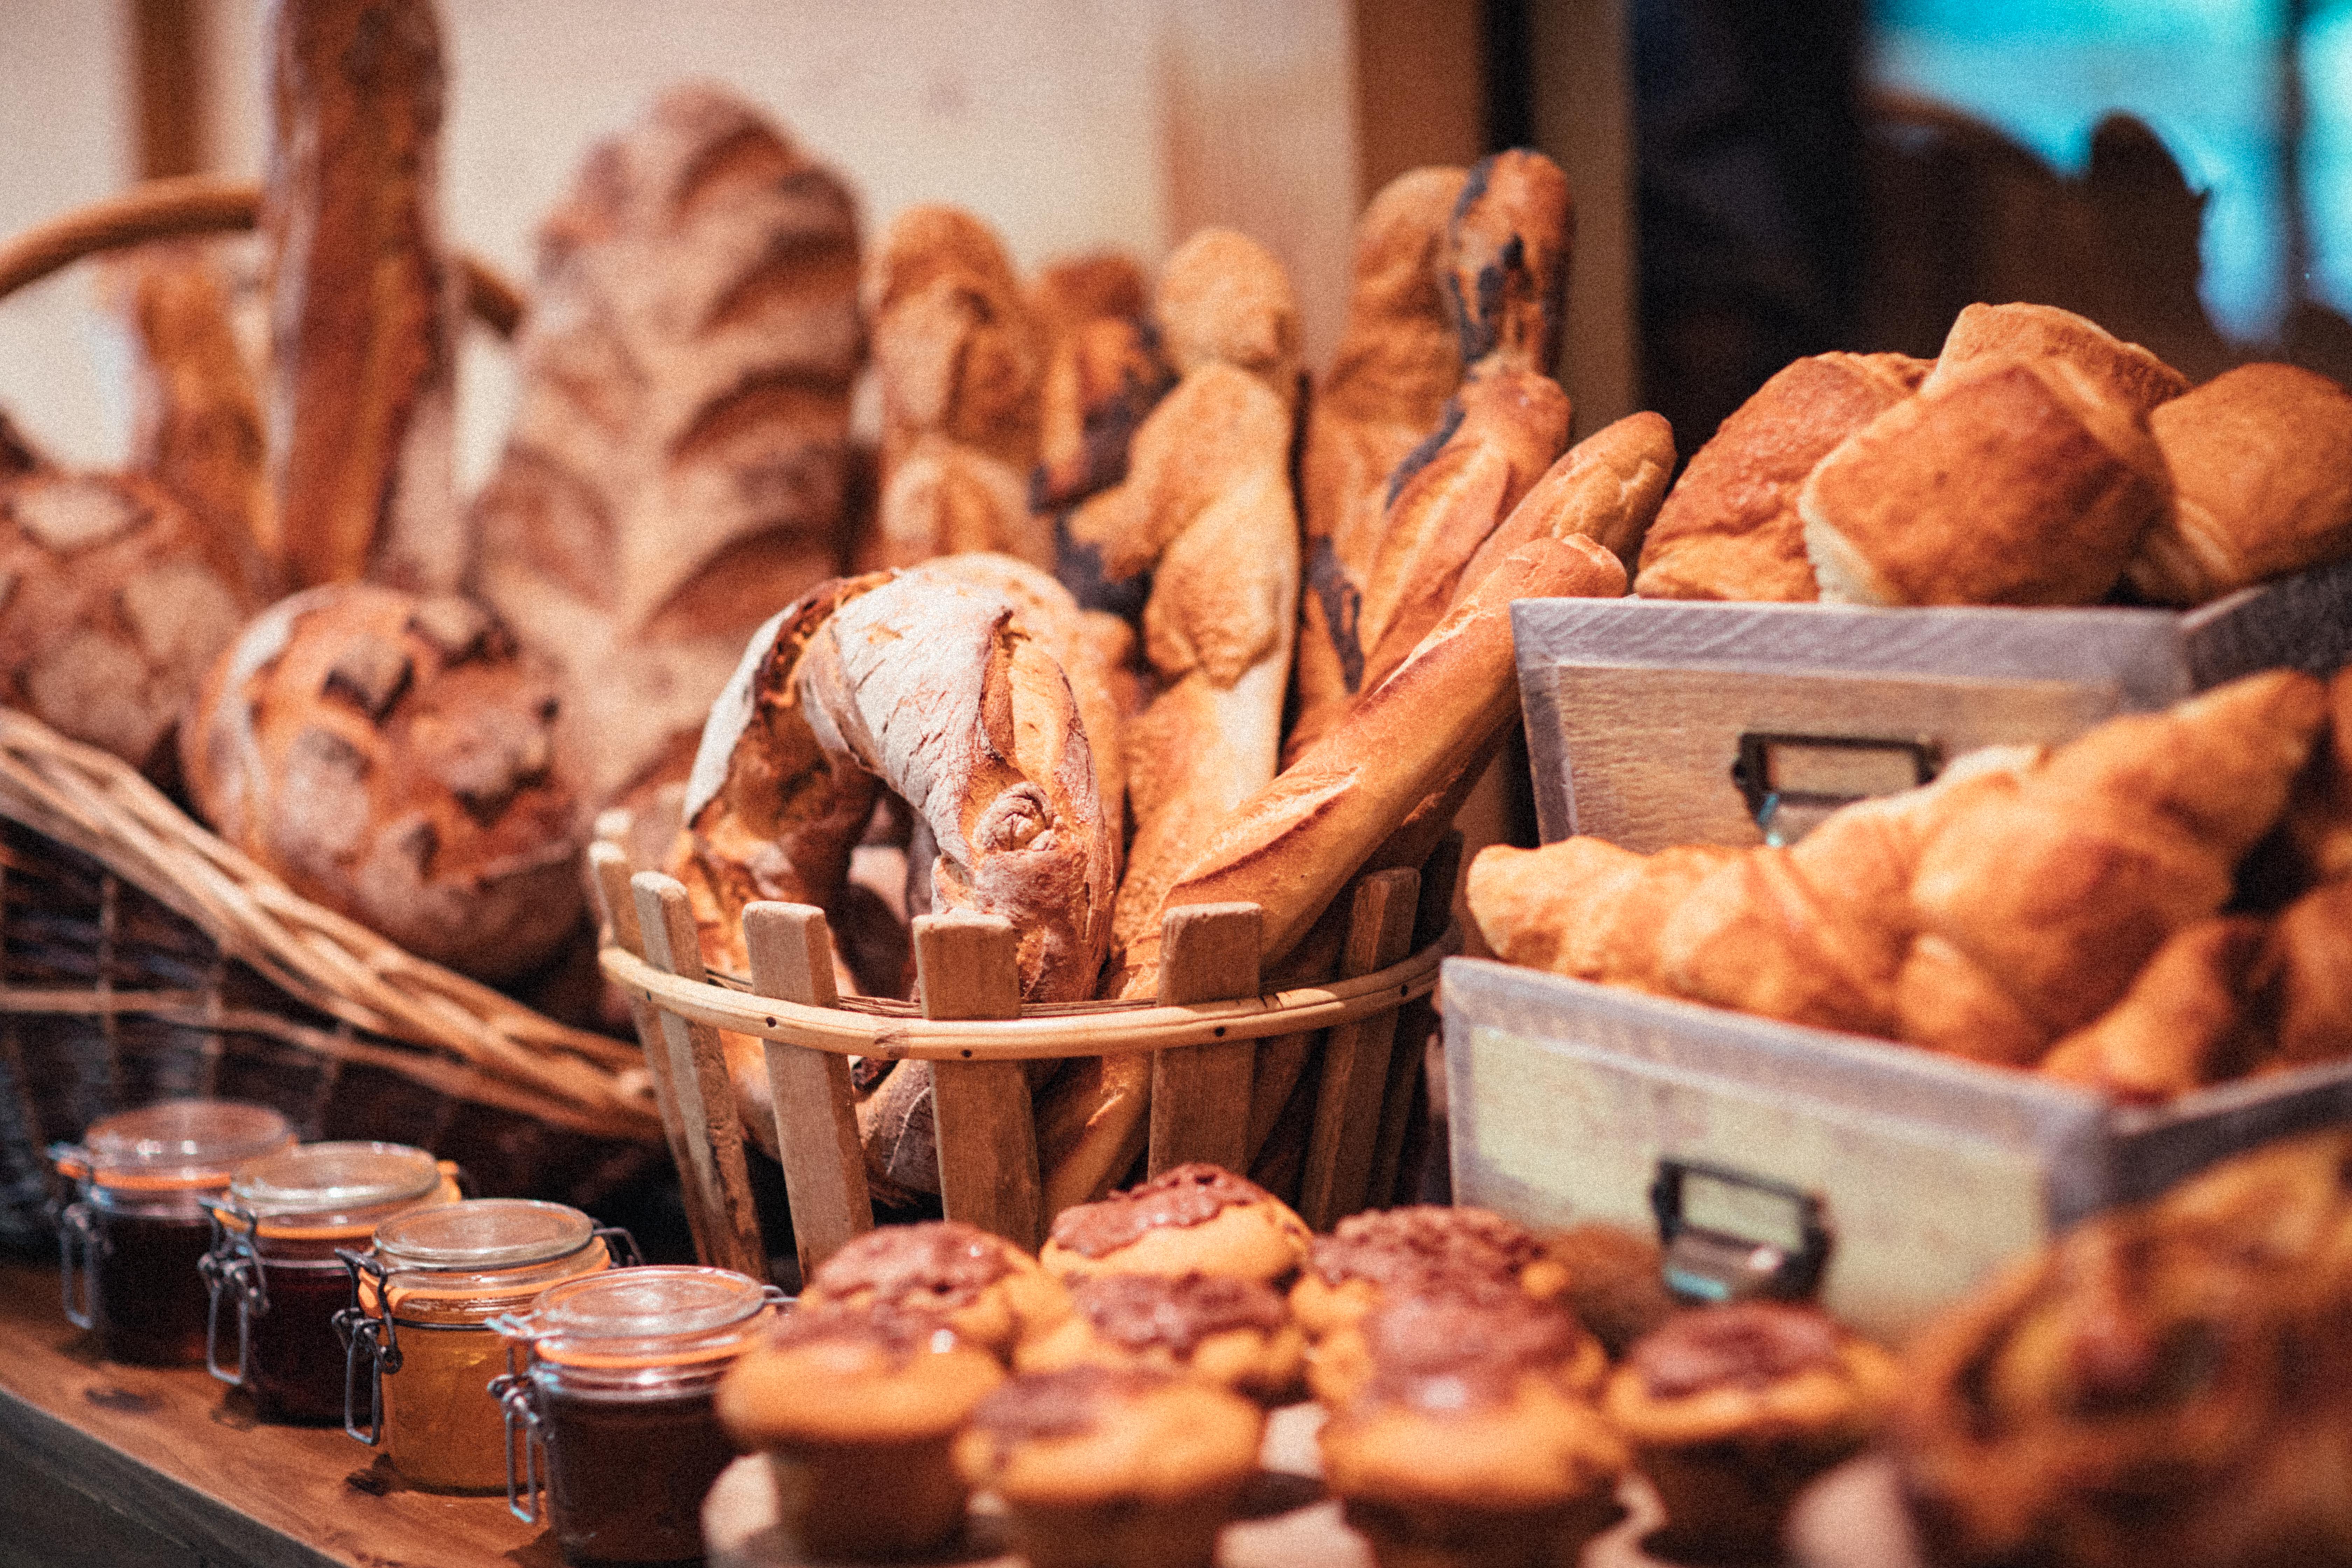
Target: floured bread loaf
1981,333
362,361
959,358
114,602
393,758
2016,482
677,466
1730,529
2260,486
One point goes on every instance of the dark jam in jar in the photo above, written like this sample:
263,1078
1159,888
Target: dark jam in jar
146,1291
627,1475
293,1357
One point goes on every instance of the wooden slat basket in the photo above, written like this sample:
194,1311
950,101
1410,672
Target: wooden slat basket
1227,1058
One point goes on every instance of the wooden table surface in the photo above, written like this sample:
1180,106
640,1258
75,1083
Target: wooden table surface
104,1466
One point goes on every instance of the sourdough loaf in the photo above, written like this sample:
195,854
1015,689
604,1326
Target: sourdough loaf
391,757
676,470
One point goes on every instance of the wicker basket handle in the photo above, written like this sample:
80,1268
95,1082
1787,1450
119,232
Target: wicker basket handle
199,203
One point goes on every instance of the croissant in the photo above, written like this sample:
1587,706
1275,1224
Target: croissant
2185,1020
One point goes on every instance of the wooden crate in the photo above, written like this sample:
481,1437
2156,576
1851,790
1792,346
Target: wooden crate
1653,722
1930,1171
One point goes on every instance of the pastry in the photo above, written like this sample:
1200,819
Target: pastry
1495,1314
391,757
1732,1409
1113,1468
1463,1447
856,1410
2304,978
2258,487
362,344
1729,530
1380,1256
1194,1219
680,450
1983,333
2186,1020
1233,1331
1616,1285
989,1291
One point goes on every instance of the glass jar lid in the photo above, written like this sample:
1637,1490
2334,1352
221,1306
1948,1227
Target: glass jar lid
482,1234
332,1184
638,1314
175,1144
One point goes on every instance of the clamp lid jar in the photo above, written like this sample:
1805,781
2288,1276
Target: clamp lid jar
420,1353
138,1228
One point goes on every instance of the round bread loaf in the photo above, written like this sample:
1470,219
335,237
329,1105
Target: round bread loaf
110,610
392,758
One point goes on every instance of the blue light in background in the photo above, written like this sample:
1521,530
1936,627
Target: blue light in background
2204,74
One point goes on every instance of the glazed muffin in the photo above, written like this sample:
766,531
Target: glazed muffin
857,1408
1236,1332
1112,1466
1466,1444
1533,1333
988,1290
1423,1250
1193,1219
2133,1394
1732,1409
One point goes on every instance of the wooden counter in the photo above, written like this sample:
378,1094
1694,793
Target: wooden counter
123,1467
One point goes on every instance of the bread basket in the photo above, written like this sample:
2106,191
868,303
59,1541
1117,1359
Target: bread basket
1356,1043
143,959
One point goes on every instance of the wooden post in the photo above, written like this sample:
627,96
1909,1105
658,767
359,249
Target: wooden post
706,1098
616,910
1356,1055
1200,1094
1415,1022
816,1116
968,966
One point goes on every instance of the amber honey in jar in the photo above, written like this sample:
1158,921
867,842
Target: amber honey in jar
139,1226
276,1282
422,1352
610,1414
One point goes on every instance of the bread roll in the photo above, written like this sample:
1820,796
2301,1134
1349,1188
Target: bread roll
676,470
1730,529
2013,482
114,602
2259,481
959,360
362,360
391,757
1983,333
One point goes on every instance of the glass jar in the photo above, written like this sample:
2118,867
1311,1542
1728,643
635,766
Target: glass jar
273,1263
421,1350
612,1414
138,1227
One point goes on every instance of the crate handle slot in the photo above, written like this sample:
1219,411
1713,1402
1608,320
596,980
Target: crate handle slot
1791,781
1727,1236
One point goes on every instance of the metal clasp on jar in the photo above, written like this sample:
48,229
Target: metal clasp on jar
372,1335
77,1240
513,1393
231,1267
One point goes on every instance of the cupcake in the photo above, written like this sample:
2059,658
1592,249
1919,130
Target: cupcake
1113,1466
1497,1314
1732,1409
1371,1258
857,1409
988,1290
1236,1332
1466,1445
1193,1219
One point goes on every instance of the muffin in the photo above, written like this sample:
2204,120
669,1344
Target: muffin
1732,1409
1112,1466
857,1408
1429,1248
1465,1446
1232,1331
1498,1314
1195,1218
988,1290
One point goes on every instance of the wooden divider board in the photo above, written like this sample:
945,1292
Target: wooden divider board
1340,1153
968,966
816,1121
1200,1094
706,1098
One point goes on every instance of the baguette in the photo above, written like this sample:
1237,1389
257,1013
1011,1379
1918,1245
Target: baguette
1104,371
361,298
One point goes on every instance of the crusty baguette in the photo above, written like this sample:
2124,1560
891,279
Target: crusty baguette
1506,268
2016,482
1730,529
363,364
1295,843
2259,483
1607,486
1981,333
1104,371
